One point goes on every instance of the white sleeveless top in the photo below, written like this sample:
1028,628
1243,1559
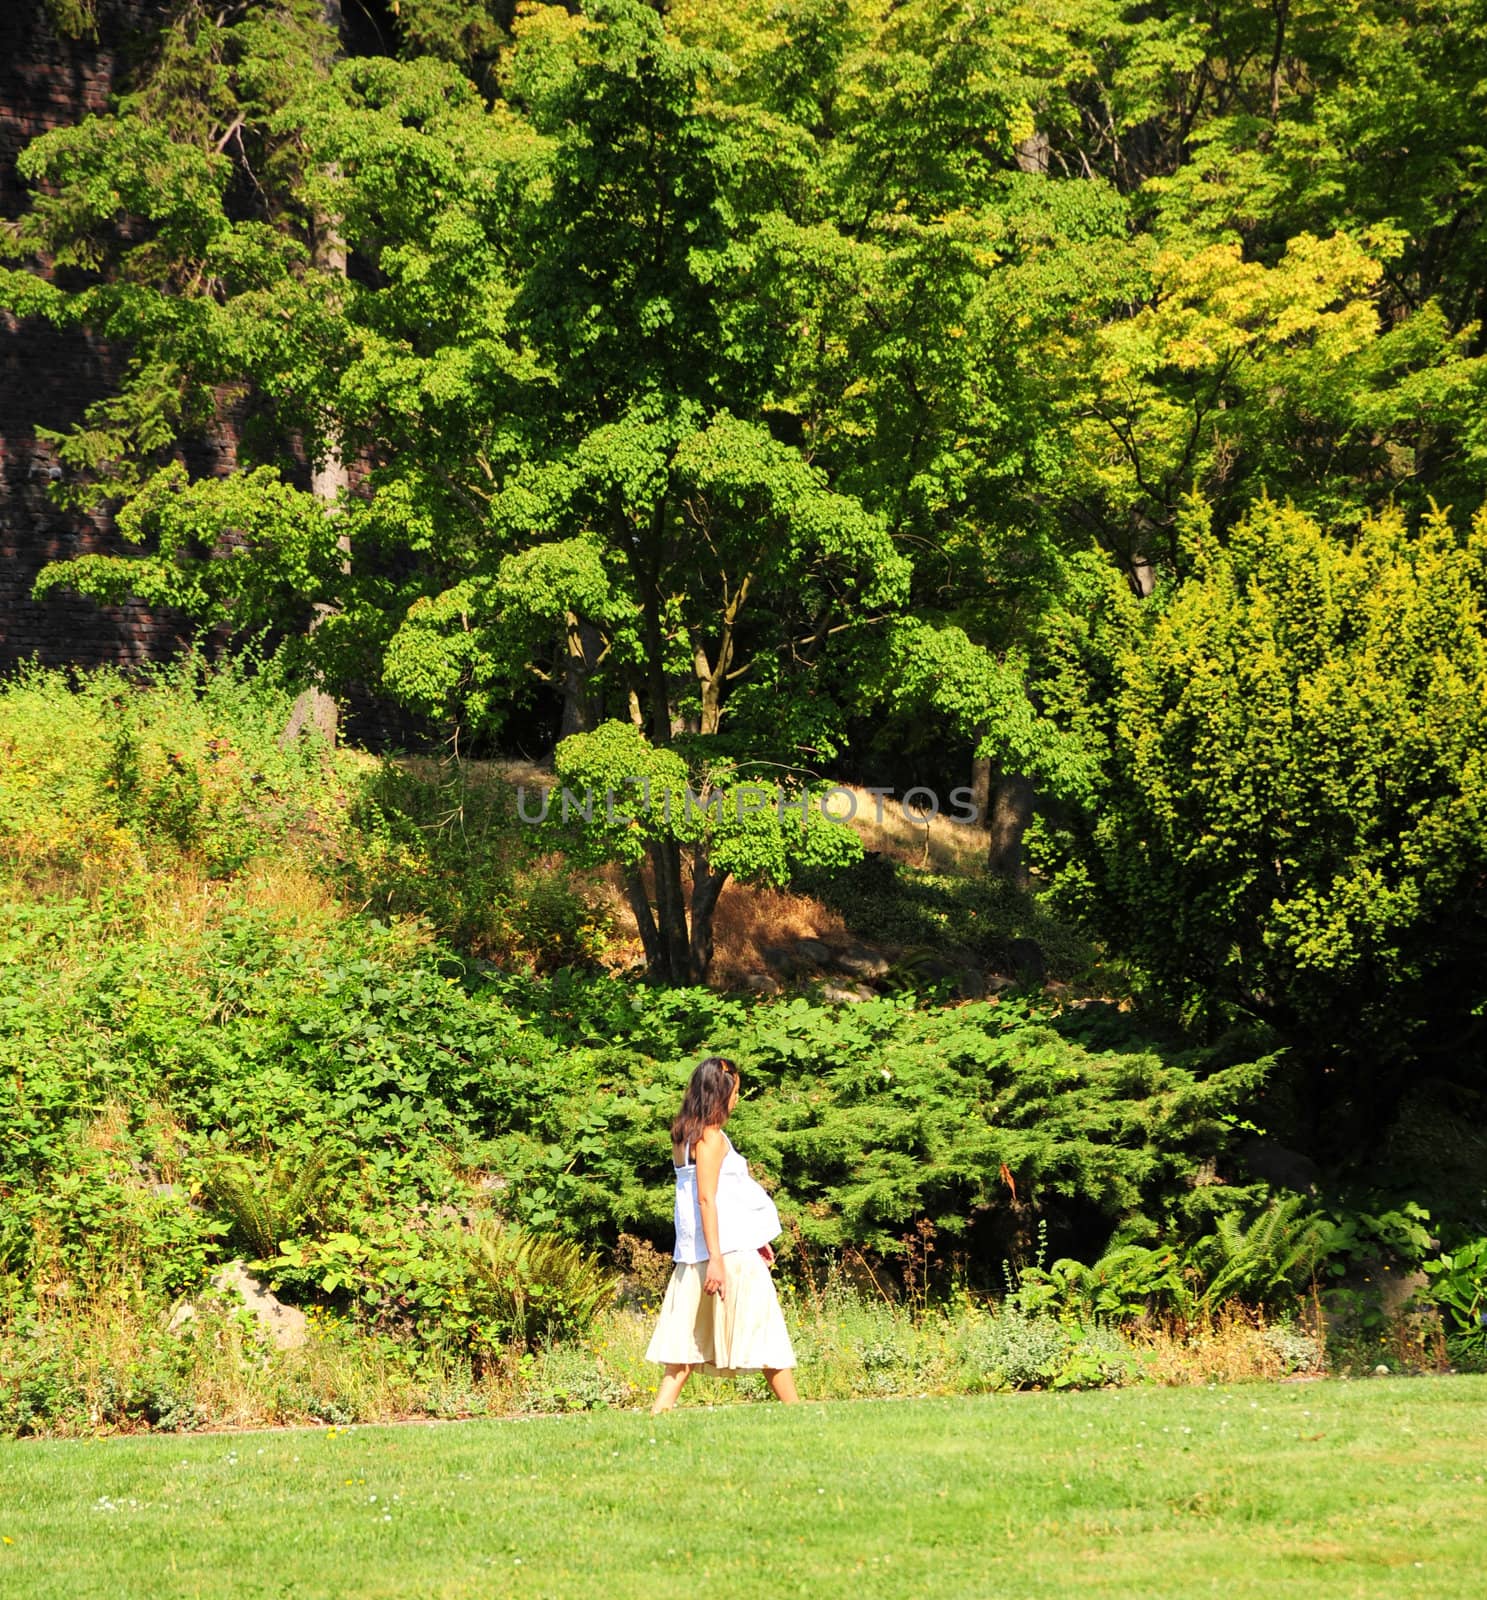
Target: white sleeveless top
746,1215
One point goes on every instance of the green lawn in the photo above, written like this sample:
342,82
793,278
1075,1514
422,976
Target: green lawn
1311,1490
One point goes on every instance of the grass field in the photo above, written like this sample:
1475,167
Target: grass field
1310,1490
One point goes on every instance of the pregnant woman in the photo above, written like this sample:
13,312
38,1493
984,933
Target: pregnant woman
721,1312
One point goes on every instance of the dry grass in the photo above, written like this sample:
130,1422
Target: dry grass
291,893
956,849
121,1370
1233,1347
114,1365
750,919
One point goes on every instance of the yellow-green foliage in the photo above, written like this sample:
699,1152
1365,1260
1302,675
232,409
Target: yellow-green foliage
103,778
1291,810
534,1285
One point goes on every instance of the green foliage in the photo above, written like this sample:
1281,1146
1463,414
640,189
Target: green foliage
100,781
531,1287
354,1047
477,1287
1287,813
265,1202
1371,1247
1262,1264
439,847
1016,1349
1458,1284
872,1116
1265,1262
569,349
563,1378
1129,1282
749,830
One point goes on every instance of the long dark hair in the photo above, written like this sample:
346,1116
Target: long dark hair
705,1104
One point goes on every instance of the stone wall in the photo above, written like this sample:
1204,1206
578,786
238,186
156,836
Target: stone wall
48,377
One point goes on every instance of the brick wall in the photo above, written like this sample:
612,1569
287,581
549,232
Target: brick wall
48,377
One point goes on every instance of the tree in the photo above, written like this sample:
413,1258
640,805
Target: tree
184,225
1230,379
1288,814
199,208
621,799
707,574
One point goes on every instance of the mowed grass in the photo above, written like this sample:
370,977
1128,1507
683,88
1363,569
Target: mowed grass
1309,1490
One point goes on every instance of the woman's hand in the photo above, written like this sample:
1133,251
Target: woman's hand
767,1251
713,1282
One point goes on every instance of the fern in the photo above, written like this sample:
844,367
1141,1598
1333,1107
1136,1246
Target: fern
264,1202
1271,1256
533,1284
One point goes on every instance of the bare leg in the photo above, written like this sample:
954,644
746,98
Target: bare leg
782,1381
670,1387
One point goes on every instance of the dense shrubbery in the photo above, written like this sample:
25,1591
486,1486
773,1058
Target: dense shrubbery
430,1105
135,1061
205,1061
1287,814
443,846
98,781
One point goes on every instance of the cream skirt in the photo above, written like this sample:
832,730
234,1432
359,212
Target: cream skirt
743,1332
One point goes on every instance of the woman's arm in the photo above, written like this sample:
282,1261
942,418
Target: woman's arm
709,1158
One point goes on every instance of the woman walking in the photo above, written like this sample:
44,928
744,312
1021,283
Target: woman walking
721,1313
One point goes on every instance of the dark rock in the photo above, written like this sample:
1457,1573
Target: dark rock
860,961
1023,958
840,993
1270,1162
800,955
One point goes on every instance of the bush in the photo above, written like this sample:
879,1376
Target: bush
102,777
1012,1349
562,1378
265,1202
433,844
1458,1285
1286,814
1298,1350
527,1288
360,1044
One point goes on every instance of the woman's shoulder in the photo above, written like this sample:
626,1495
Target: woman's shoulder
711,1138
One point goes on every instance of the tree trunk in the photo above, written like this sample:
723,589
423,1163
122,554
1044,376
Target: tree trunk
671,911
314,708
1011,811
712,678
645,921
1031,154
646,565
580,651
981,785
707,885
